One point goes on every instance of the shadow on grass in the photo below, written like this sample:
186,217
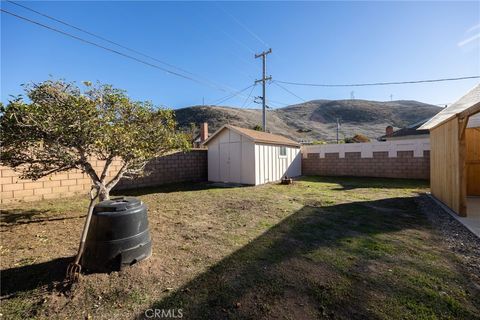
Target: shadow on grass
15,216
350,183
22,216
173,187
315,263
30,277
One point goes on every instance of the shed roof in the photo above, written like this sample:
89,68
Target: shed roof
257,136
471,99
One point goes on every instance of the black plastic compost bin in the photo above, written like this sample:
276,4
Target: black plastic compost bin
118,235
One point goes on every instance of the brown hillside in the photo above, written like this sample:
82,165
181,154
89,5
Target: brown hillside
315,120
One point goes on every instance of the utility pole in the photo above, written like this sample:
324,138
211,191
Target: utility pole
263,81
338,128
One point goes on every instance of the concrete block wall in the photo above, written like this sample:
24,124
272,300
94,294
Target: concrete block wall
381,164
409,158
177,167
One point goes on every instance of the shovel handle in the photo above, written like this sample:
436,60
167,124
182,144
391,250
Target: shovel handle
86,226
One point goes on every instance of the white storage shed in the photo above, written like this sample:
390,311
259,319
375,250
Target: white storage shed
239,155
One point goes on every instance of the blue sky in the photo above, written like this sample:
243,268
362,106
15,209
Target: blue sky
314,42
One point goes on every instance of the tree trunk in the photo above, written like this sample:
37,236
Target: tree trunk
103,189
103,193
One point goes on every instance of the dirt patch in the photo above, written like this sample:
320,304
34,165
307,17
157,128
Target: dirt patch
313,203
241,204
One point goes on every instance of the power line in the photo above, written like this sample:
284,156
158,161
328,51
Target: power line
99,46
235,39
237,110
238,41
221,100
230,50
211,84
208,82
377,83
249,95
114,51
97,36
278,102
254,35
117,44
285,89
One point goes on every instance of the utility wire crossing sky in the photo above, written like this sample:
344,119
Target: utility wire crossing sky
287,70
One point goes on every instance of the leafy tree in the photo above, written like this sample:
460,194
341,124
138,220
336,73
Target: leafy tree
62,128
257,127
192,133
358,138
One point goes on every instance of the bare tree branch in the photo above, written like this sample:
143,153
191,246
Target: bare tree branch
105,168
117,177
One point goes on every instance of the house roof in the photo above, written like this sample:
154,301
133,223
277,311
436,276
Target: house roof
462,106
256,136
411,130
408,132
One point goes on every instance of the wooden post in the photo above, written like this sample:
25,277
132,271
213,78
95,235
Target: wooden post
462,174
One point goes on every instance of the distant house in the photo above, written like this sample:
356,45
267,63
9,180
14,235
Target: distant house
198,139
409,132
239,155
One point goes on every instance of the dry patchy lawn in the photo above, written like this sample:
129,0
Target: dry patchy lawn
338,248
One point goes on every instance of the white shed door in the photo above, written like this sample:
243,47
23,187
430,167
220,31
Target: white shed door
224,162
235,162
230,162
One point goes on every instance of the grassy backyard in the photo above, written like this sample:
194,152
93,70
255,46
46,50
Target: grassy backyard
338,248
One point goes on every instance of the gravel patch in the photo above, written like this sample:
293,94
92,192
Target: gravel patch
456,236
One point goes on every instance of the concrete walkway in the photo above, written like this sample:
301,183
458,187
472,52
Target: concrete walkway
472,220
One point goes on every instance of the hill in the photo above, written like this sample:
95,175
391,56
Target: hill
316,119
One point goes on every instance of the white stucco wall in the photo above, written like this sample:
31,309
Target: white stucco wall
416,137
418,146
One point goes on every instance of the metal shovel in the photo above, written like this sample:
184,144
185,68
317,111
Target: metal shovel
74,268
